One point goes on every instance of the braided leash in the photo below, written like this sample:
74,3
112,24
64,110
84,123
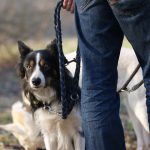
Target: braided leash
75,95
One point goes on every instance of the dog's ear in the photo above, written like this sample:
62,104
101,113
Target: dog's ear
23,49
52,47
20,70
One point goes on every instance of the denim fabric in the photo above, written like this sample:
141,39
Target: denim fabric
101,25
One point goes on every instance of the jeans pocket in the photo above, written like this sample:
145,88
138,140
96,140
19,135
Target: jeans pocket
127,2
84,4
128,7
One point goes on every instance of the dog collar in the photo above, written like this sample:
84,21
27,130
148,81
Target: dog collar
51,110
36,104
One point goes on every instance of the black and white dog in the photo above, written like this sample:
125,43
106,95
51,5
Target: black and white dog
39,71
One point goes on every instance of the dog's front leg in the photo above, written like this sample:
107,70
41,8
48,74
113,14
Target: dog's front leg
79,142
50,142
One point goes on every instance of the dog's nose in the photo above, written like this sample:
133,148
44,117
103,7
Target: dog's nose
36,81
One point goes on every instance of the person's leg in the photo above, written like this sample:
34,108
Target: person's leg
100,39
134,19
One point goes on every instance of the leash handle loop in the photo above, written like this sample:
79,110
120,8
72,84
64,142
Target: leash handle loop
57,23
64,101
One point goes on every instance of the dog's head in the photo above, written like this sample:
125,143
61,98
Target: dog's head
38,68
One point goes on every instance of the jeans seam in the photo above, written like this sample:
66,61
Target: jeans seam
84,4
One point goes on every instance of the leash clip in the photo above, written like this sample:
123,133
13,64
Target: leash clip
74,96
46,107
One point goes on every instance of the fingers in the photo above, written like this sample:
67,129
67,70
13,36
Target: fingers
68,5
65,3
72,8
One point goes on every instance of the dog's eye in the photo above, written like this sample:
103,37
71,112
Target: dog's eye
28,67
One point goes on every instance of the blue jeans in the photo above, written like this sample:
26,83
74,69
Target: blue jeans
101,25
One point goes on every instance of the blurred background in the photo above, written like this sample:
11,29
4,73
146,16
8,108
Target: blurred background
32,22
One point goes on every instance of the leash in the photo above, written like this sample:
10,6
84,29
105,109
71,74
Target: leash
135,87
67,101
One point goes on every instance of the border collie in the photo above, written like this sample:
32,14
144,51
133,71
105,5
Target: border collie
39,72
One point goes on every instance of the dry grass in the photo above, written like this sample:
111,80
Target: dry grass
9,52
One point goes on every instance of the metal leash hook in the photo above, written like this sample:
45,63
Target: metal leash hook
135,87
74,97
64,100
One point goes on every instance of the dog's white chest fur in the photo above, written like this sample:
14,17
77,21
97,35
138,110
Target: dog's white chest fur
60,134
45,94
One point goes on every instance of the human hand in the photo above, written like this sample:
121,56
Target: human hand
69,5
